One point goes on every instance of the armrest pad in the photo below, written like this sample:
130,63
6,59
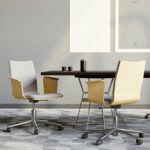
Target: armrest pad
50,84
96,91
17,88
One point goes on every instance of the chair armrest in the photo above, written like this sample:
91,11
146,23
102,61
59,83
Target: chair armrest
50,84
96,91
17,88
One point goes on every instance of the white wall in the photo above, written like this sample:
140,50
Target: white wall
38,30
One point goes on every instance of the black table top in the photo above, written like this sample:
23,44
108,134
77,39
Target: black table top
88,73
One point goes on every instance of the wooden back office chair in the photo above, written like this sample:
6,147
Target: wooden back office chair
126,90
24,87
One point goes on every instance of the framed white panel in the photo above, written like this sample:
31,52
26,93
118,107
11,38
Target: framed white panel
90,25
132,26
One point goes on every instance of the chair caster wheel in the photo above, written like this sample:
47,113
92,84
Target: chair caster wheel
36,132
141,135
74,126
60,128
46,125
139,141
115,133
7,130
84,135
99,142
147,116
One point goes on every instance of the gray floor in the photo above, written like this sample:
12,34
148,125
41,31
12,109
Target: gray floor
70,139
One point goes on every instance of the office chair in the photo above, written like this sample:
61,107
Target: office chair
24,87
84,99
126,90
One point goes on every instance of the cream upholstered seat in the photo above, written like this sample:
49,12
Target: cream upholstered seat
41,97
24,87
126,90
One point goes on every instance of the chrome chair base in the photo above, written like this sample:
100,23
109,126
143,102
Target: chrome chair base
114,131
34,121
147,116
117,130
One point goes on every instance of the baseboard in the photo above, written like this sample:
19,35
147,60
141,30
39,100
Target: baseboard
70,106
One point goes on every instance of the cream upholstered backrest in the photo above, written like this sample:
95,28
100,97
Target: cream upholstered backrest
25,72
128,82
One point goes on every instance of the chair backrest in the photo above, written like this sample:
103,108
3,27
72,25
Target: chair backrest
128,82
24,71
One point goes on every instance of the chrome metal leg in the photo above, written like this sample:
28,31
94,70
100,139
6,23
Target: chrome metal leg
20,124
109,88
106,135
83,93
79,110
49,123
112,113
103,117
88,118
126,130
110,85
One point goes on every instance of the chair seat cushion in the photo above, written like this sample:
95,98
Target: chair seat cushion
44,97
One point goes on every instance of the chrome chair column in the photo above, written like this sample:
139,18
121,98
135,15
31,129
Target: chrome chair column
33,111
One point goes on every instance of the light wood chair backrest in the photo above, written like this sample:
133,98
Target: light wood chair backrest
96,92
128,82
